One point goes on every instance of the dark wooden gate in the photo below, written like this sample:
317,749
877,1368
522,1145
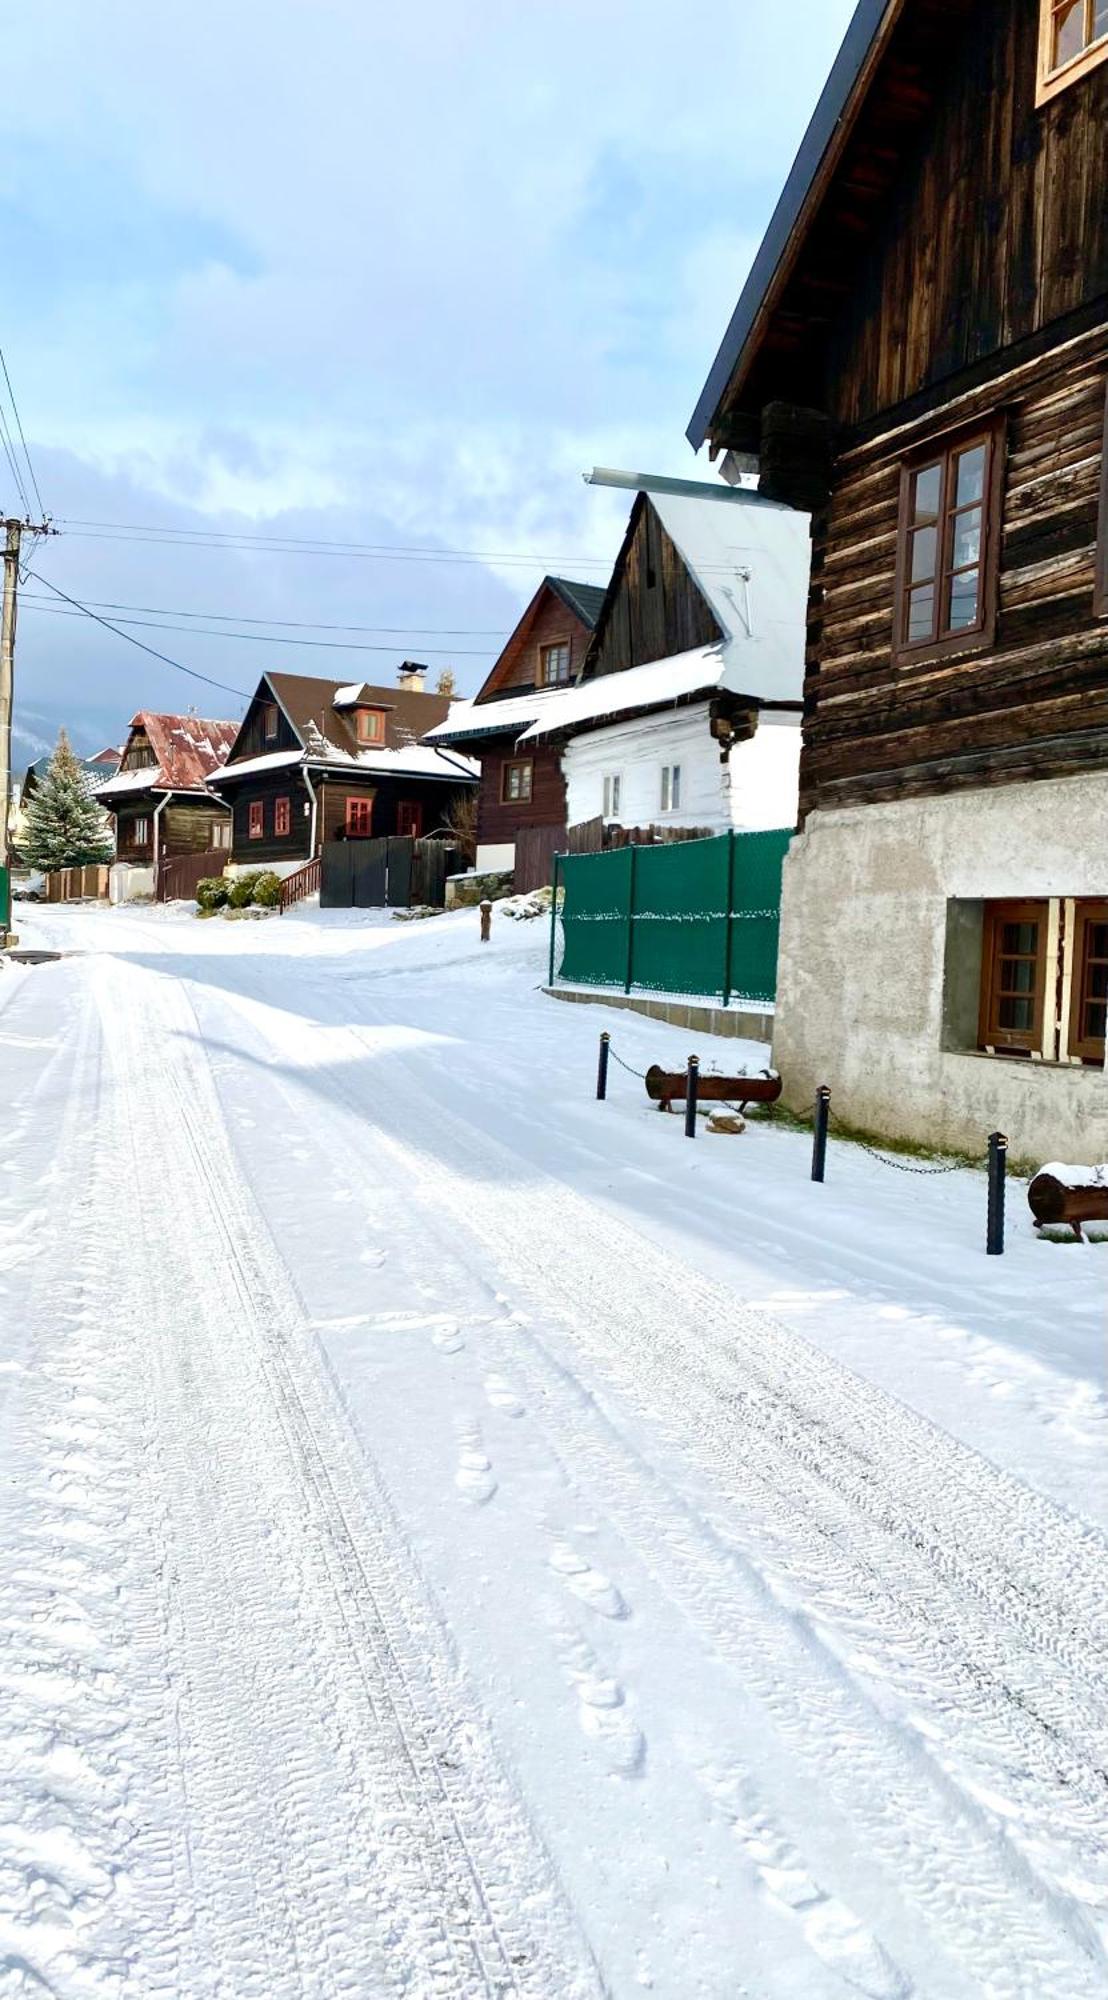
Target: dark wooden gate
382,874
536,847
178,877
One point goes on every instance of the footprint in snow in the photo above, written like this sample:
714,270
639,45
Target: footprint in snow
448,1337
503,1397
589,1584
603,1711
475,1478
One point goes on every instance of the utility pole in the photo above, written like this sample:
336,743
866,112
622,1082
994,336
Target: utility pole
13,533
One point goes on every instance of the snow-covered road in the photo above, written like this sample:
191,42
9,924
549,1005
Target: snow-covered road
432,1568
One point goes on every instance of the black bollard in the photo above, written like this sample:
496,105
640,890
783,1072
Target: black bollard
998,1171
819,1141
602,1068
692,1089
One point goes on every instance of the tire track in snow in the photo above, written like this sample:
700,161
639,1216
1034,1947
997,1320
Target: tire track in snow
359,1721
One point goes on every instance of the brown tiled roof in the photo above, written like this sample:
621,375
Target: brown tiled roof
307,700
188,748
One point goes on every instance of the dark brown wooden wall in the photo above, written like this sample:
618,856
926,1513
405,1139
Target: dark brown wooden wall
1036,704
187,826
998,223
252,741
126,846
269,787
547,805
657,609
518,665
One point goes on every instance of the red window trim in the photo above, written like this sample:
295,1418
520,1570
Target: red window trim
370,725
257,819
359,816
282,816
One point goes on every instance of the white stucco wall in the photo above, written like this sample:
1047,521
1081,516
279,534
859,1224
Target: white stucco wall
863,942
128,882
494,857
758,789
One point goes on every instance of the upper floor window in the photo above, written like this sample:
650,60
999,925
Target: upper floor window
948,552
515,782
370,725
269,721
554,664
1101,601
1073,38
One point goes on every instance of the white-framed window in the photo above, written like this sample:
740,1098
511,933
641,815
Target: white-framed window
612,789
671,787
142,831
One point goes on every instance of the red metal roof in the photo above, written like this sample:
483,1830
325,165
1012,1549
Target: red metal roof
188,748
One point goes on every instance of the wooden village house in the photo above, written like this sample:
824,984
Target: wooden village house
316,761
521,802
687,713
160,799
920,358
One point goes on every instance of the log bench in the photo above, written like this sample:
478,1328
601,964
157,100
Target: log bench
1073,1195
666,1088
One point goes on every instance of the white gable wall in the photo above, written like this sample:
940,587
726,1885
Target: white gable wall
756,790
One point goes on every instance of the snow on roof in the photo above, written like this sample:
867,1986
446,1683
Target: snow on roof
473,719
146,778
413,760
652,686
751,558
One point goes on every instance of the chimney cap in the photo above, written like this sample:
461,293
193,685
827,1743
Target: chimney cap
412,674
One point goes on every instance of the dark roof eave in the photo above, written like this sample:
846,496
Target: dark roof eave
826,121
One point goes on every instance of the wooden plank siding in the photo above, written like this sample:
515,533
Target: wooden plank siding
654,609
549,622
1036,702
499,821
265,788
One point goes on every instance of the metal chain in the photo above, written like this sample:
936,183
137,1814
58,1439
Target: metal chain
640,1073
901,1166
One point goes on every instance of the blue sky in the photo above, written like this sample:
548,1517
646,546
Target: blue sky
390,276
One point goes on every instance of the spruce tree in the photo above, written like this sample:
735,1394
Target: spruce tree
65,826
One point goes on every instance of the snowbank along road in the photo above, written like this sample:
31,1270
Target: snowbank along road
426,1573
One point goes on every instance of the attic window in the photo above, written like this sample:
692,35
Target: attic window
269,721
1073,39
554,664
370,724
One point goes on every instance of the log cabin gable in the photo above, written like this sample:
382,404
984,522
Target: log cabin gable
265,727
549,644
654,608
139,752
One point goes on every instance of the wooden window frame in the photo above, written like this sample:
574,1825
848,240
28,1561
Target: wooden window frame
282,817
271,722
555,646
1013,1041
222,835
359,808
669,772
1051,79
410,809
369,737
992,432
510,764
1100,591
611,787
256,820
1085,1048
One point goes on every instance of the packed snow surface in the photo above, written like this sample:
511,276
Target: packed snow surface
462,1539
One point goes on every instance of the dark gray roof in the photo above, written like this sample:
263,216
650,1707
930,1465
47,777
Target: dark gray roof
826,120
584,599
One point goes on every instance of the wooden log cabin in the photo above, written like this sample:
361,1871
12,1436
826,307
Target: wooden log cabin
161,800
316,760
523,792
920,358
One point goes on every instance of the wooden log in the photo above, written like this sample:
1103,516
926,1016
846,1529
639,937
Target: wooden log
666,1088
1054,1201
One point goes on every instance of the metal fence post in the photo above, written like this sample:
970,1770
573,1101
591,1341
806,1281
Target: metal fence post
602,1067
633,851
998,1169
819,1141
554,918
692,1091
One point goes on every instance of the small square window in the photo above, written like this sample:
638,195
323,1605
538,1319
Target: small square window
282,816
370,725
257,819
671,787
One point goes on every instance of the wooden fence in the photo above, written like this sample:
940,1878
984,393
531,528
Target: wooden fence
77,885
536,847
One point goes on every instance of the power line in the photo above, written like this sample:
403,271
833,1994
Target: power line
140,643
9,453
317,545
258,638
304,624
22,439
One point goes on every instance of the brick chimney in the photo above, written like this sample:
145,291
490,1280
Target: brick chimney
412,677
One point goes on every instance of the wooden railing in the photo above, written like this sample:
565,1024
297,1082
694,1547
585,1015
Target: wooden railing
305,882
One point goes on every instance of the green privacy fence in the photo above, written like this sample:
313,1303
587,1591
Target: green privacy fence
691,917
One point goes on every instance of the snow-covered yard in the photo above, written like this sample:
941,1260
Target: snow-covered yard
462,1539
